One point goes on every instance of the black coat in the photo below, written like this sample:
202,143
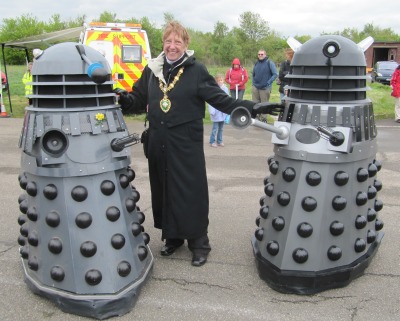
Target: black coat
283,71
177,169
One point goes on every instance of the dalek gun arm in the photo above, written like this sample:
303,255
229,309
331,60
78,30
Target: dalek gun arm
336,138
119,144
339,140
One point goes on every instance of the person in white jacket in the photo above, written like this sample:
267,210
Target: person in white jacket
217,117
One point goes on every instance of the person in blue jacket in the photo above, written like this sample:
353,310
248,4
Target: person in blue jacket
263,76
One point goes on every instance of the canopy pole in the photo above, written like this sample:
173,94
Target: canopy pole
5,71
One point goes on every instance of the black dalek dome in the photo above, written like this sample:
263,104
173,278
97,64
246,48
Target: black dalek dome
328,68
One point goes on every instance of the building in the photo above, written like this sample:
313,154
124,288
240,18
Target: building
382,51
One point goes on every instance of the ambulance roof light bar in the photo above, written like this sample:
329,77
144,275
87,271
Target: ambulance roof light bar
115,25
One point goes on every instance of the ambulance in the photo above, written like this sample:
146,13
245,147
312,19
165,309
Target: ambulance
124,45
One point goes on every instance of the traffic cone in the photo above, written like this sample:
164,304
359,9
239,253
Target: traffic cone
3,113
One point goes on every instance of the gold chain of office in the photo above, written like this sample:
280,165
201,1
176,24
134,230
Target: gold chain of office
165,103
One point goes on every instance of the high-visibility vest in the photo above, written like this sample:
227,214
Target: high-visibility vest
27,78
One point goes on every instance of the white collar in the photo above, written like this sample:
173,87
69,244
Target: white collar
156,64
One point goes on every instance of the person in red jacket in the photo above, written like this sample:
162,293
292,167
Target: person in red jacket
395,83
237,77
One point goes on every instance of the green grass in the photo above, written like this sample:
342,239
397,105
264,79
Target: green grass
17,91
379,94
382,100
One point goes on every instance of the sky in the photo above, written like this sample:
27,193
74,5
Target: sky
286,17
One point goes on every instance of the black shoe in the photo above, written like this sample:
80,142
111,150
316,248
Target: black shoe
199,259
169,249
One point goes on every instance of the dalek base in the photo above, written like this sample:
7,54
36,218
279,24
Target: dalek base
97,306
311,282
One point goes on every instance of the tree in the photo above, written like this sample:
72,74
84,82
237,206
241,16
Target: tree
18,28
55,23
351,33
221,30
378,33
228,49
107,16
168,17
275,47
79,21
218,47
154,35
218,38
252,30
26,26
375,32
201,44
253,26
303,38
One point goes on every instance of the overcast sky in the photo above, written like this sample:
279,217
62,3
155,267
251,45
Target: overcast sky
287,17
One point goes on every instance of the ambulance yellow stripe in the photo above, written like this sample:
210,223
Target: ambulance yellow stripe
131,71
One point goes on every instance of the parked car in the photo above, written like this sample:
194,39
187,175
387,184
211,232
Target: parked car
383,71
4,83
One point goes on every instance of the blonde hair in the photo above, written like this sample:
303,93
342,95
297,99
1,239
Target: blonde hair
219,76
178,29
289,53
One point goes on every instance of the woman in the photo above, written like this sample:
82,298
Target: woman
395,83
175,87
283,71
237,77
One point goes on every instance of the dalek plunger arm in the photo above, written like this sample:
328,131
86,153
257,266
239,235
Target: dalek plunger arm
118,144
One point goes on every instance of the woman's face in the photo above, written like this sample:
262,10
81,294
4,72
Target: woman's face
174,47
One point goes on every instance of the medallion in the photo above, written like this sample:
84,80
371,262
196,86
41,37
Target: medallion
165,104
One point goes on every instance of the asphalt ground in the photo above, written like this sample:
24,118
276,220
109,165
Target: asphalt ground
228,286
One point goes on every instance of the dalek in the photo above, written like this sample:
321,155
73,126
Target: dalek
82,242
318,226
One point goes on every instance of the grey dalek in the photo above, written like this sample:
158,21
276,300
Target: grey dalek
318,225
82,242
